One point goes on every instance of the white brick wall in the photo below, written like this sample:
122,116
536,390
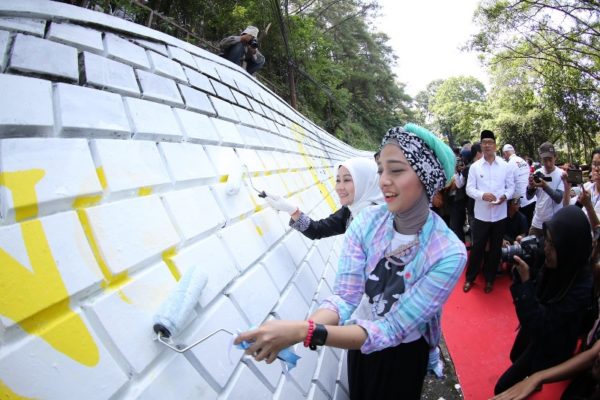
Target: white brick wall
76,36
3,46
84,112
20,95
113,185
105,73
40,56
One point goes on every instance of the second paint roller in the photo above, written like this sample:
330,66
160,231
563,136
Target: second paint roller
177,308
174,314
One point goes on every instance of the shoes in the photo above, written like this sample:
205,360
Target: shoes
488,287
467,287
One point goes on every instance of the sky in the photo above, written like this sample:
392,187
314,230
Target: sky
426,35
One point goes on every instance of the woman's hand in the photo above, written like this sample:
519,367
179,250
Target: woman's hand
272,337
522,268
585,198
280,204
519,391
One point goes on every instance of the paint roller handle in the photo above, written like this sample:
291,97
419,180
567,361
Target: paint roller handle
278,203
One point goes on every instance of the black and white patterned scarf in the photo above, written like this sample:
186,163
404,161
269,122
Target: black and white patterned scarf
421,158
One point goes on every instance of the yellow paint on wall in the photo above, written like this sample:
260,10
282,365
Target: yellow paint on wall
144,191
101,177
299,135
6,393
87,229
22,185
111,282
167,257
260,232
38,300
124,297
86,201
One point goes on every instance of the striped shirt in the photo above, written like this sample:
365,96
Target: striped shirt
429,278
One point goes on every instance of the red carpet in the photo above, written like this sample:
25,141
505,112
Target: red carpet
479,330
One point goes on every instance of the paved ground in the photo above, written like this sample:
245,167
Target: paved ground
447,388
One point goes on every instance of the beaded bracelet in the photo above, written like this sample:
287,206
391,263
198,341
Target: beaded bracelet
309,334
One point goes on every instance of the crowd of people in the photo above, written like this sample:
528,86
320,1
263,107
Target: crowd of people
409,218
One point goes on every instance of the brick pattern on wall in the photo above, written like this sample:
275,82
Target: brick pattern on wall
116,144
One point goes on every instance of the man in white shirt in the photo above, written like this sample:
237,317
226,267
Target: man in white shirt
521,173
545,183
490,184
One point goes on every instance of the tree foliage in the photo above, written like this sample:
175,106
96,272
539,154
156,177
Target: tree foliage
342,66
544,58
457,106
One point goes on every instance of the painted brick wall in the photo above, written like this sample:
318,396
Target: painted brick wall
116,143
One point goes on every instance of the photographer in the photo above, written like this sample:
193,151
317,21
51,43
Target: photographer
546,183
243,48
552,307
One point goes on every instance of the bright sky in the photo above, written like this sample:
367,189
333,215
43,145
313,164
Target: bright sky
426,35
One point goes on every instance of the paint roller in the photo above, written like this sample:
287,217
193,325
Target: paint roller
174,313
176,309
234,179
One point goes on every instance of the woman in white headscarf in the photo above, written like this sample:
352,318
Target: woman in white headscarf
357,186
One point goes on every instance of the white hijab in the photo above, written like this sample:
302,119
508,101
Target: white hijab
366,183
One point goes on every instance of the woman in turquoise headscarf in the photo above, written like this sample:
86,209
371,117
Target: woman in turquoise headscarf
397,268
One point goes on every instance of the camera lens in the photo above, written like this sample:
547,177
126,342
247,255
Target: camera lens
509,251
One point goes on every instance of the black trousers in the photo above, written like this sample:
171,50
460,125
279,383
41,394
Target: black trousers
458,214
482,233
528,211
390,374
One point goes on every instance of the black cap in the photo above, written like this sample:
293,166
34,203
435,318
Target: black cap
487,134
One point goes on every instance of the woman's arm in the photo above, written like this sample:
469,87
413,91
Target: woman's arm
333,225
586,199
275,335
567,193
566,370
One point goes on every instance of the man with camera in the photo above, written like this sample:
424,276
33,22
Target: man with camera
243,48
547,185
490,184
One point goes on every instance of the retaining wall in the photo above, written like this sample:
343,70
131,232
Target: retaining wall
116,142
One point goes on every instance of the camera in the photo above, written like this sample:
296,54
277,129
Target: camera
539,176
528,249
574,176
253,43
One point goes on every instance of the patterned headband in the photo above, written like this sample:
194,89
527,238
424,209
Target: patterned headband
420,157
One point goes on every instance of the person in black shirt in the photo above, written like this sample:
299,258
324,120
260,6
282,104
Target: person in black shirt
357,186
516,223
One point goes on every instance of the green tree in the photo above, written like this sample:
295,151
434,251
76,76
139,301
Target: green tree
459,107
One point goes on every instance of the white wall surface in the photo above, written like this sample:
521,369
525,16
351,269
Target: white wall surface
116,142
